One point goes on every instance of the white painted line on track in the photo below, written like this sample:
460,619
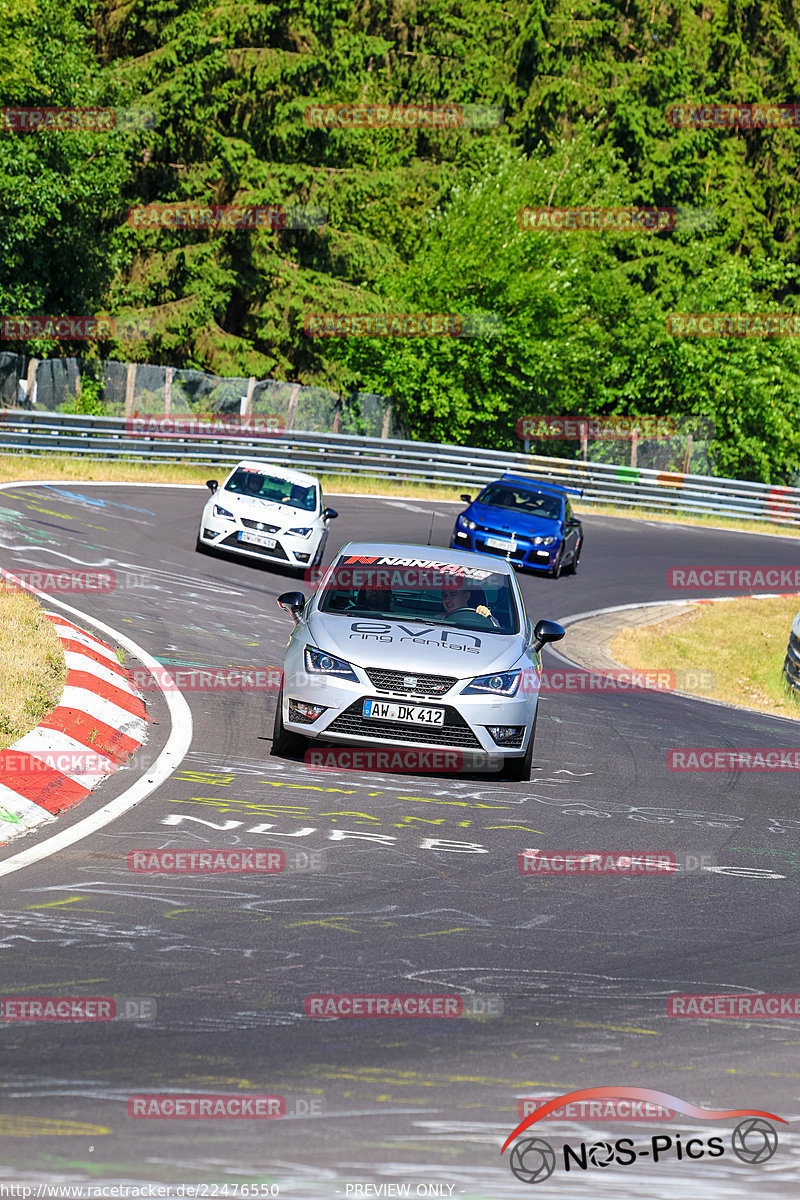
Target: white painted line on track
170,758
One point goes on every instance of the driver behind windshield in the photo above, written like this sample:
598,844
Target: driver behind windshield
455,598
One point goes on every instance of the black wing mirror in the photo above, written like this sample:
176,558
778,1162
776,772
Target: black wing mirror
294,603
212,485
547,631
329,514
467,499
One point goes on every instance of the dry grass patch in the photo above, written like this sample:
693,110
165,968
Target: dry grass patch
32,669
742,642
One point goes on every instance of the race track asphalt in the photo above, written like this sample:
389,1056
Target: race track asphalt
426,897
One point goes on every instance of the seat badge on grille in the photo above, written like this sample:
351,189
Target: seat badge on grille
409,681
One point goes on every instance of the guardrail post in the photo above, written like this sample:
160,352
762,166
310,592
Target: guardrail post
634,446
387,420
246,406
292,408
688,455
791,667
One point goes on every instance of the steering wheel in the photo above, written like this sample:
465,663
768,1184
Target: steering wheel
475,613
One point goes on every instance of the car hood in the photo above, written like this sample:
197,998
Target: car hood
512,522
417,647
263,510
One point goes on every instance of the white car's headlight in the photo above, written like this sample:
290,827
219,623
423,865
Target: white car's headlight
304,532
320,663
219,511
504,683
543,541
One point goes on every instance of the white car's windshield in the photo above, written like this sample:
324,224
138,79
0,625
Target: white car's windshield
402,592
248,481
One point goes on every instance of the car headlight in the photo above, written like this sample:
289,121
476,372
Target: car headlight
504,683
465,524
542,541
219,511
320,663
304,532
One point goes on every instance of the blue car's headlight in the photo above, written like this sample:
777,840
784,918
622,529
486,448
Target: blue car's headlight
543,541
465,524
320,663
504,683
219,511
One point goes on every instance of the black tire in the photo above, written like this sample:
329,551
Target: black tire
572,569
285,742
519,769
200,546
555,573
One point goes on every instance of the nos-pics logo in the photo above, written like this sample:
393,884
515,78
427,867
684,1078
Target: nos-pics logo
533,1160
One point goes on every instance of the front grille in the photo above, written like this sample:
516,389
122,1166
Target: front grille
232,540
455,732
259,526
426,685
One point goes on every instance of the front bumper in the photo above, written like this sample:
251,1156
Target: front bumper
290,550
527,555
465,723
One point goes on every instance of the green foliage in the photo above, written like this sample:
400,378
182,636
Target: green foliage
88,402
423,220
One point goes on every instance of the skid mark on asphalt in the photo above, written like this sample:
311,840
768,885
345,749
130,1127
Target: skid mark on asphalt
12,1125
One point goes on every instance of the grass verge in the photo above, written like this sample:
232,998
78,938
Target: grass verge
32,669
741,642
16,468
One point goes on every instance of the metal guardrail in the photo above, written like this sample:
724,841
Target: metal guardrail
791,667
378,458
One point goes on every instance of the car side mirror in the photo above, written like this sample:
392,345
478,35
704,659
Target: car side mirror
294,603
329,514
467,499
212,485
547,631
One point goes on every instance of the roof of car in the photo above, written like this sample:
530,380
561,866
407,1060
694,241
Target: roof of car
427,554
263,464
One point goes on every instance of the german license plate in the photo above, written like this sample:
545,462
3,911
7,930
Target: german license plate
258,539
501,544
410,714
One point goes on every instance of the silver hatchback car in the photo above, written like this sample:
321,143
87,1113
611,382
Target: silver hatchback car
417,646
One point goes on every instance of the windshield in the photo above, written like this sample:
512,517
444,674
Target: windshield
437,593
519,499
248,481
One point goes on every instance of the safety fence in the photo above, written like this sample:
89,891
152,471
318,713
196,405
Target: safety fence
171,440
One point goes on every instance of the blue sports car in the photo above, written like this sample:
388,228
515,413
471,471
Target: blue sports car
527,522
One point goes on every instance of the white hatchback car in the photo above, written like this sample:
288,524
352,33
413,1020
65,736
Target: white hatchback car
267,513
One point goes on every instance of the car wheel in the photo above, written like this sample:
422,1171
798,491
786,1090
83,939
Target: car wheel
285,742
519,769
555,572
572,569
